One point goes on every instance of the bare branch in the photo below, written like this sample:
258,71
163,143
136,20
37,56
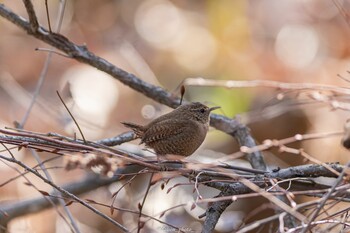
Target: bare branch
325,198
117,140
58,188
34,25
265,83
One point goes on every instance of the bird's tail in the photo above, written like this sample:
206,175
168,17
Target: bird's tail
138,129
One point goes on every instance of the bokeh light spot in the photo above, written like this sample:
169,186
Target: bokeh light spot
297,45
158,22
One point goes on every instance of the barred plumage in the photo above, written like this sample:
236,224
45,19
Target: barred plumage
179,132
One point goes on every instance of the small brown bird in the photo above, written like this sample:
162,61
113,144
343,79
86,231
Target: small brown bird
179,132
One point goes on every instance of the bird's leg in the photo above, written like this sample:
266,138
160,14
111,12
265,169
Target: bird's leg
159,160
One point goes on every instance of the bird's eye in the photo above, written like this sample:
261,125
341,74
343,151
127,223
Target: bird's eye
202,110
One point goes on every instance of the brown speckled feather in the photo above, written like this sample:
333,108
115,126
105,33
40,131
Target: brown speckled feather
179,132
138,129
170,134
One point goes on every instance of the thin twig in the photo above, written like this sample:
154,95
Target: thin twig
48,15
302,228
5,220
71,115
199,196
325,198
140,223
74,224
51,51
65,192
265,83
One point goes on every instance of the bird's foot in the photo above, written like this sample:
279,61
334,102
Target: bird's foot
162,166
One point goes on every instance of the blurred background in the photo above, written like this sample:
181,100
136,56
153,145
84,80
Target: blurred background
164,42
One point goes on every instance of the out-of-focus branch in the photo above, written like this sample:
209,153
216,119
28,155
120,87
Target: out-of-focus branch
20,208
265,83
32,16
117,140
64,192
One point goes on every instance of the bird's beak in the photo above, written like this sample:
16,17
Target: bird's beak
213,108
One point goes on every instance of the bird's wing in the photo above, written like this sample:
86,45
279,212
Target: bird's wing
164,130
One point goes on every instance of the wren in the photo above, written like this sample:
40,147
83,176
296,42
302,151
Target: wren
179,132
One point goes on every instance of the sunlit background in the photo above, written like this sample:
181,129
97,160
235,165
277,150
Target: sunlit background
164,42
